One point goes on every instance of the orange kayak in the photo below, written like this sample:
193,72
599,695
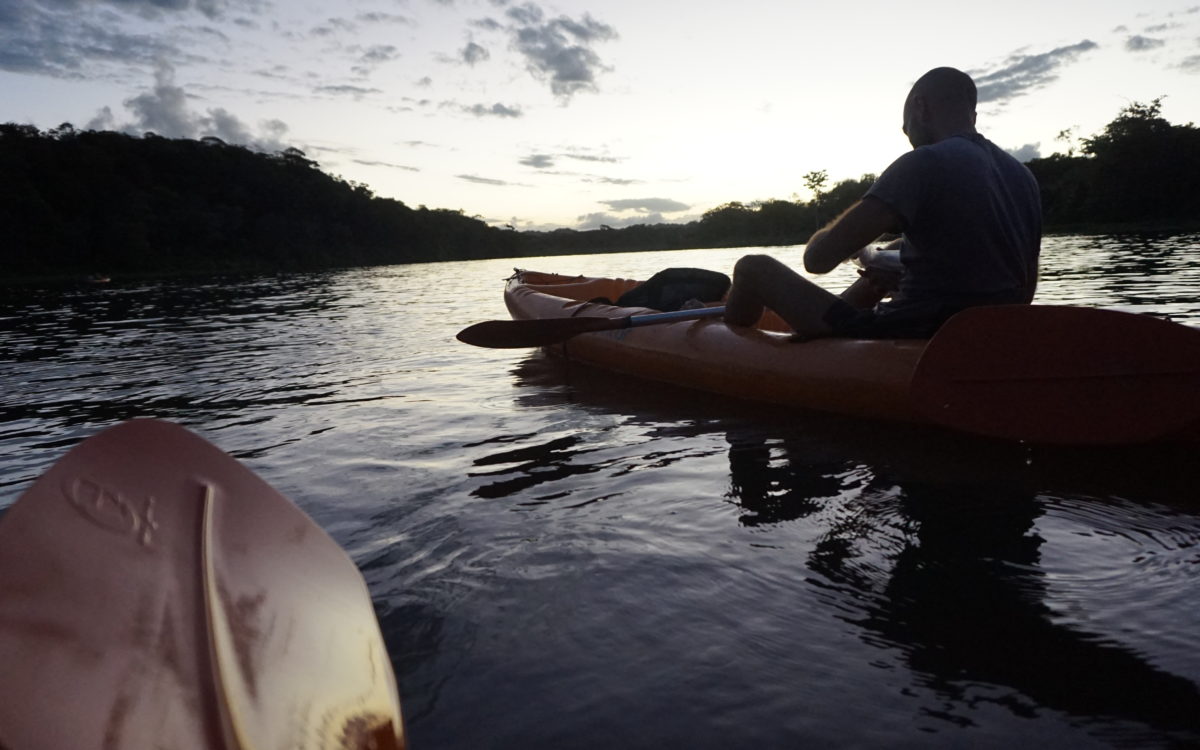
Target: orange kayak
1039,373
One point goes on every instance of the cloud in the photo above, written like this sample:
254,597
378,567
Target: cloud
496,110
592,157
372,57
104,120
1026,153
344,89
560,49
482,180
379,53
613,181
546,161
1190,64
599,219
1022,73
164,110
538,161
486,24
473,53
334,26
646,205
380,18
1139,43
375,163
226,126
67,43
158,8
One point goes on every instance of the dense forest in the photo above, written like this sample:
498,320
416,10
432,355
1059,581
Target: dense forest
1140,170
73,201
79,202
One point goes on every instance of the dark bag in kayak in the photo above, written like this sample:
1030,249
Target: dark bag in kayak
670,288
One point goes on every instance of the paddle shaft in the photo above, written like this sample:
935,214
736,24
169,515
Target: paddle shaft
634,321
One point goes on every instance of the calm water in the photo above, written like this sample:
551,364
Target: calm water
563,558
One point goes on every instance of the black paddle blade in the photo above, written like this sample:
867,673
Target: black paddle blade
517,334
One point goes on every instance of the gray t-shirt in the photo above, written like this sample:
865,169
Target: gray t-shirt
972,221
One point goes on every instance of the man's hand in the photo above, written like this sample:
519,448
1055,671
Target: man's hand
884,281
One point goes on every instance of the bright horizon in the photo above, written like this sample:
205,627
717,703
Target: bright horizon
577,113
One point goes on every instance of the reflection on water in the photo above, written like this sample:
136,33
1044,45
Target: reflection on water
562,557
175,350
1139,274
961,595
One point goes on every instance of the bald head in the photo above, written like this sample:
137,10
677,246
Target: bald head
940,104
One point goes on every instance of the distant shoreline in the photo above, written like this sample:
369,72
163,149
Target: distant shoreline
84,278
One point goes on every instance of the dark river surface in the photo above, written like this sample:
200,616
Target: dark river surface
563,558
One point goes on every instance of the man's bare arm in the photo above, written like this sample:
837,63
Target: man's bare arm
861,224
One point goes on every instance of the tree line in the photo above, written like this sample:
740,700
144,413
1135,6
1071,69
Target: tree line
80,202
1139,170
97,201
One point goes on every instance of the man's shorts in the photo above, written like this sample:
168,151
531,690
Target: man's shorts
918,320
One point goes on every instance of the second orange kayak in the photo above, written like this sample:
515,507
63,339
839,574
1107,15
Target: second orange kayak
848,376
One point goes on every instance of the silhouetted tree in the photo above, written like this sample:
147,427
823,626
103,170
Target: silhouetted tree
846,193
1139,168
815,182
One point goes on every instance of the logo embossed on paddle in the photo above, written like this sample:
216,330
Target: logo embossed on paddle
112,511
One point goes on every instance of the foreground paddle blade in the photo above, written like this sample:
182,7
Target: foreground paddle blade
155,593
1061,375
516,334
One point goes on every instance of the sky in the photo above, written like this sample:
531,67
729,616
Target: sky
581,113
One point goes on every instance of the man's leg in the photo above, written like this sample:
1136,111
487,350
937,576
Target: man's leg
761,281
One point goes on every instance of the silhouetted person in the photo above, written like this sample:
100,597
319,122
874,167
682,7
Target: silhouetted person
971,224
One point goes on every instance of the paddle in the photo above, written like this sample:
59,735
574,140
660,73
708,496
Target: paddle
155,593
1061,375
515,334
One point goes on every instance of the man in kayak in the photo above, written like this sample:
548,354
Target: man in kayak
971,223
